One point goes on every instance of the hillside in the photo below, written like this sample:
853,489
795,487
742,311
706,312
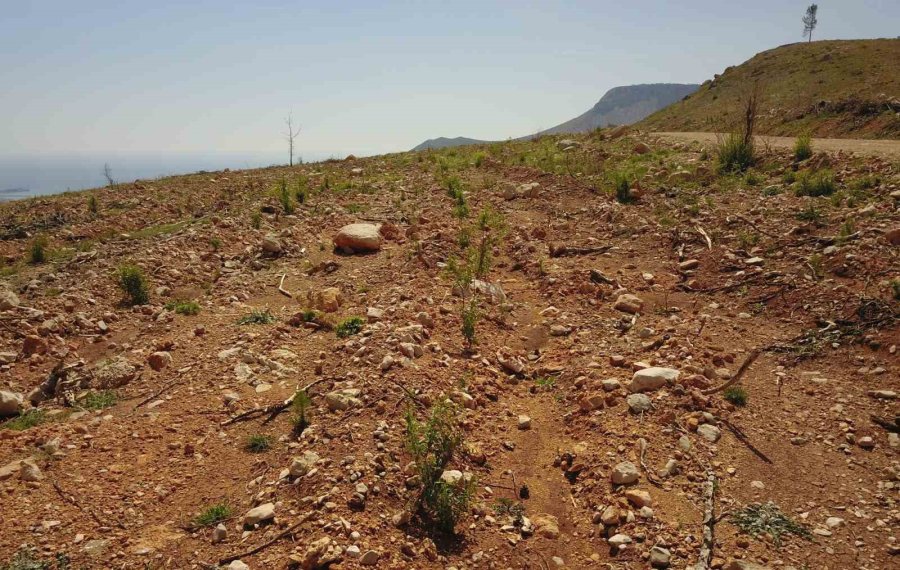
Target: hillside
618,106
608,378
836,88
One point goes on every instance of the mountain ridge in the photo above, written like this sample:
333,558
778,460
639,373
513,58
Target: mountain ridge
621,105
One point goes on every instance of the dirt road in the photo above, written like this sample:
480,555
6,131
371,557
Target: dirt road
883,148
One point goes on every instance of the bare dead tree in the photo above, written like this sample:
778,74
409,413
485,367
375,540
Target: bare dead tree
107,173
291,135
751,114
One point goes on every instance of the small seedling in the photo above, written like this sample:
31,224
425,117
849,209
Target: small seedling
301,192
623,189
757,520
545,382
134,285
469,320
737,396
257,317
284,196
802,148
349,327
810,214
256,220
215,243
258,443
815,185
184,307
817,266
99,400
432,446
26,559
309,315
300,406
93,207
37,251
510,508
213,515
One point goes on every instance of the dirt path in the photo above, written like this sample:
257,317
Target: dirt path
883,148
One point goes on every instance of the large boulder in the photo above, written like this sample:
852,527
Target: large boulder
628,303
10,403
8,300
304,464
328,299
113,373
652,378
355,238
625,473
259,514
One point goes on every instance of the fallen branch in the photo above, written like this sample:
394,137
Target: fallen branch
564,250
709,523
288,531
737,377
272,409
705,235
892,426
755,225
70,498
281,288
742,437
599,277
157,394
642,445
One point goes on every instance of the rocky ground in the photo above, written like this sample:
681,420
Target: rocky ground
595,430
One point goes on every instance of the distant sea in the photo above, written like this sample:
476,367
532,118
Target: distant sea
26,176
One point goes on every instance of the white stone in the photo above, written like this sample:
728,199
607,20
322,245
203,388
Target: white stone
652,378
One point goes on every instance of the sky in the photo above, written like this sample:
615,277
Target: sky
362,77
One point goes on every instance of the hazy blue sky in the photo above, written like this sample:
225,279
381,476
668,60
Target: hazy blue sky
220,76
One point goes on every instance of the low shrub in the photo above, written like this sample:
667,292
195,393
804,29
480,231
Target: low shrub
258,443
815,185
735,153
432,445
802,148
737,395
133,283
213,514
349,327
184,307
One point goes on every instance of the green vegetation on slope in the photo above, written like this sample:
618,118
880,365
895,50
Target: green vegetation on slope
837,88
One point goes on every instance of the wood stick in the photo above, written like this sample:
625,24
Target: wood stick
742,437
272,409
736,378
703,233
642,445
281,288
157,394
709,523
289,530
564,250
70,498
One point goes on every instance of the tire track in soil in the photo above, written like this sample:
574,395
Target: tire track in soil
549,492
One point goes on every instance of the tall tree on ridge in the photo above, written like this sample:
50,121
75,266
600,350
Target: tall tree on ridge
810,21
